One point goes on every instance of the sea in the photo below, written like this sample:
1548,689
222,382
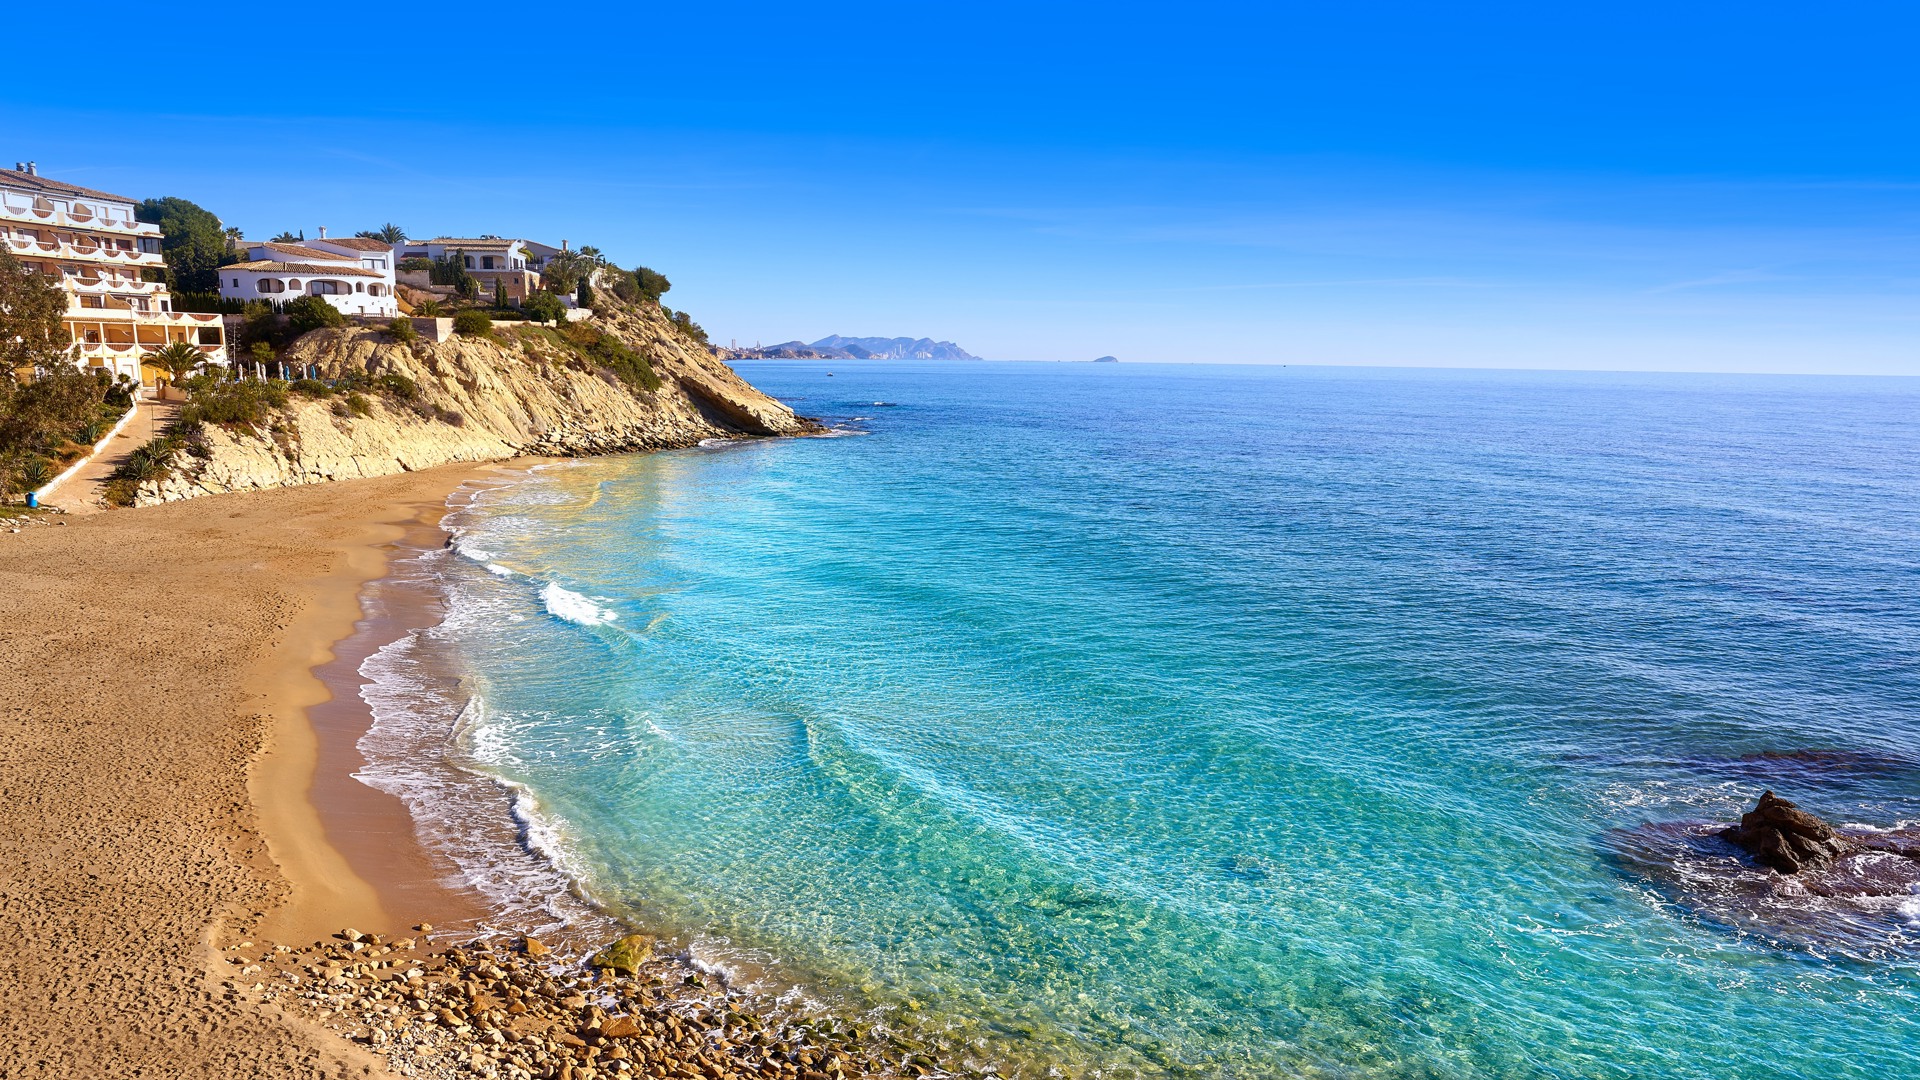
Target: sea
1128,720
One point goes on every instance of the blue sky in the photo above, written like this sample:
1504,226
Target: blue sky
1728,187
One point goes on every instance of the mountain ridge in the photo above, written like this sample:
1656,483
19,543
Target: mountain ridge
840,347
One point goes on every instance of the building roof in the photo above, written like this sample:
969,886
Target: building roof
263,266
41,185
471,243
357,243
299,252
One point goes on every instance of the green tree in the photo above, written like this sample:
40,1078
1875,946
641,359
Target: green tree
307,313
653,285
386,234
500,295
193,243
584,296
473,324
543,307
32,333
289,238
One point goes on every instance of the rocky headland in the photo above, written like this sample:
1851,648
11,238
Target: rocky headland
522,389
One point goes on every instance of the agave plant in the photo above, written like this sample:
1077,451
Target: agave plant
35,474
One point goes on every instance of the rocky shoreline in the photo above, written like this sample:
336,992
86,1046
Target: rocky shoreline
513,1008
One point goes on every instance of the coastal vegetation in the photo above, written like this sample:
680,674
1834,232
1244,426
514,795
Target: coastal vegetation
51,411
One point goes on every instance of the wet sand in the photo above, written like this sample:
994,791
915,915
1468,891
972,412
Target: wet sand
159,771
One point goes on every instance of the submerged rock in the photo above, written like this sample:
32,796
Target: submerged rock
1785,875
1781,835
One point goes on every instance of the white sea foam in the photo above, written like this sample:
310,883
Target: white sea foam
574,608
433,743
498,570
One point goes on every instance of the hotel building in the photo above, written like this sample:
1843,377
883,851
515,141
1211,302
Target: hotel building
89,244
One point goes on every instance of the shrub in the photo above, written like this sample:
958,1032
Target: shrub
451,416
358,405
500,295
309,313
428,309
417,265
310,388
611,353
151,461
399,386
584,297
261,352
401,329
473,324
544,307
247,401
209,302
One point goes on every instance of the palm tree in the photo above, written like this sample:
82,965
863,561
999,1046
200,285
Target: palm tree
177,359
388,233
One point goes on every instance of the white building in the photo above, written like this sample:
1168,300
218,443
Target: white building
352,274
492,261
88,243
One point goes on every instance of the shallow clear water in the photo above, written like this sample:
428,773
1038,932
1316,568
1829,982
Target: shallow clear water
1225,721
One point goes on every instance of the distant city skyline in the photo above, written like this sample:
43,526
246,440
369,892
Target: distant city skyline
1717,189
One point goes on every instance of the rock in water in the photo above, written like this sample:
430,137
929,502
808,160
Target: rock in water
1787,838
625,955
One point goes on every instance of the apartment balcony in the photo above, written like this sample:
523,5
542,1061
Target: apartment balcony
89,220
28,247
102,285
122,313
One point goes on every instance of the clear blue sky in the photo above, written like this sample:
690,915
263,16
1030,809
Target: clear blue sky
1683,186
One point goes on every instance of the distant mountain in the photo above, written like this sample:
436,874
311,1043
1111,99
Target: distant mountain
836,347
1106,359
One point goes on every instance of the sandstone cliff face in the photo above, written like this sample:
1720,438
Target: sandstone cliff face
521,392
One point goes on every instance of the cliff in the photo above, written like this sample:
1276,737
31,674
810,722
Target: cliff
524,390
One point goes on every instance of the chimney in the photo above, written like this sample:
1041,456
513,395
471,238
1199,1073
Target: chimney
19,166
563,245
33,168
323,232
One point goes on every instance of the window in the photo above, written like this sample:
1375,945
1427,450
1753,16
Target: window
293,284
359,287
270,285
469,262
93,301
486,262
326,288
236,283
209,335
148,244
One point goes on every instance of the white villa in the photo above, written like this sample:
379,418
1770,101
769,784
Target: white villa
89,244
353,274
511,263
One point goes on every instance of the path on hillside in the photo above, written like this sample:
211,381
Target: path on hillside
81,492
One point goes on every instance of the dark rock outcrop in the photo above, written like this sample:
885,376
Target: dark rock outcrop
1784,875
1788,839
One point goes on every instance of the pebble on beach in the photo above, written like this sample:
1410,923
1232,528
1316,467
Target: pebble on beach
517,1009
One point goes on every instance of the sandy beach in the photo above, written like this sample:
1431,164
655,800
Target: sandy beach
157,764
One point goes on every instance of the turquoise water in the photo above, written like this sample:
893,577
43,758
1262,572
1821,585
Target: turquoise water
1228,722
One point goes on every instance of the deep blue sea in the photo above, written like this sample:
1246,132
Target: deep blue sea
1209,721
